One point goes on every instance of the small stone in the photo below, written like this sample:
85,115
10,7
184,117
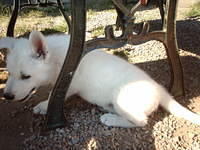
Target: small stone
93,111
22,134
75,140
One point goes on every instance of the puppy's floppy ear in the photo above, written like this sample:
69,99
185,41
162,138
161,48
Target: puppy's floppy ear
38,44
7,42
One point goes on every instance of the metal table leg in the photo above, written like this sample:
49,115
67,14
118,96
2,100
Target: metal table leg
161,9
168,37
55,115
62,11
177,83
11,25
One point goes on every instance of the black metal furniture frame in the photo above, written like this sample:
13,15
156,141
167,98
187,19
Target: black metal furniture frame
167,36
55,113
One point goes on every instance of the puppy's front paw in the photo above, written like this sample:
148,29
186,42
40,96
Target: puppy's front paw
41,108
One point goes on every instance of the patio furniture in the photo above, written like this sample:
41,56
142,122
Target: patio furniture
78,46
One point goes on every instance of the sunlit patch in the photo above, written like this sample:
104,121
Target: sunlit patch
144,98
3,75
2,86
92,144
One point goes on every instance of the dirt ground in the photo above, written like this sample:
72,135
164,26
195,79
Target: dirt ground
17,120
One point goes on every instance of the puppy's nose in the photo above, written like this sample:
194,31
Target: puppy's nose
9,96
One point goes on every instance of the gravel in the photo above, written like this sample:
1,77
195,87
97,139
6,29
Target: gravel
164,132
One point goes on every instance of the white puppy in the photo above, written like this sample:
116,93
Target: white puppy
123,89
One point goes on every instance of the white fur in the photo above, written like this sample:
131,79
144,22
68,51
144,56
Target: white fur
101,78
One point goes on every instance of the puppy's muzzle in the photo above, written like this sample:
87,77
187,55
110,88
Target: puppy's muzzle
9,96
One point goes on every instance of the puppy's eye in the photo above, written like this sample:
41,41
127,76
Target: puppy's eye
24,77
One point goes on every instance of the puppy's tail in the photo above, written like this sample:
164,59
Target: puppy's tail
178,110
7,42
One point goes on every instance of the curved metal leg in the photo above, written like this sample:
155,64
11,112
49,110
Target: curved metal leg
177,83
124,15
62,11
161,9
55,115
11,25
120,21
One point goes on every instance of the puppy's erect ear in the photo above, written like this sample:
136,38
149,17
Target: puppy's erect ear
7,42
38,44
